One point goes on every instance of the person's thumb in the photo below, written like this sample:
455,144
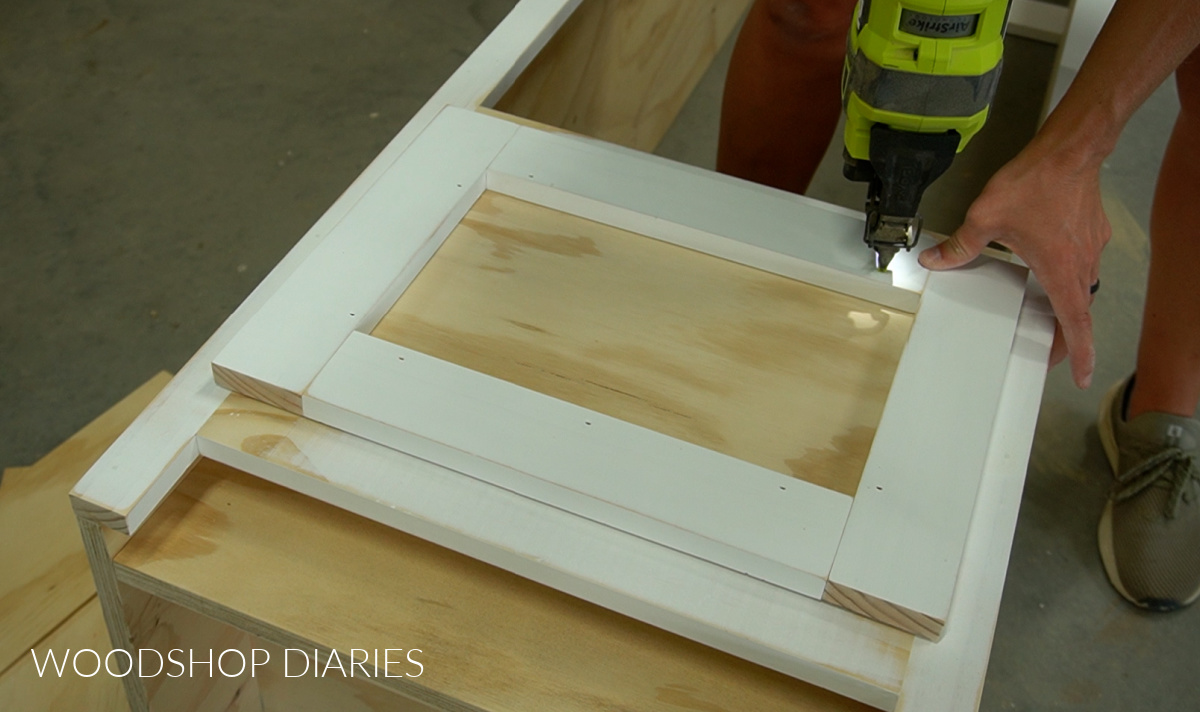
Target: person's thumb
955,251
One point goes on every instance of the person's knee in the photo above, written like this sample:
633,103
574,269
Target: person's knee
811,21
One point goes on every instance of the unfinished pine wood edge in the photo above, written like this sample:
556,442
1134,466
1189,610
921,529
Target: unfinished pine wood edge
98,513
256,389
126,479
1038,20
588,463
264,630
884,612
768,625
295,331
904,538
950,675
104,575
665,198
126,521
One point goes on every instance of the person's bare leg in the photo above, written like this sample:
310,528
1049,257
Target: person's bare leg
783,91
1168,362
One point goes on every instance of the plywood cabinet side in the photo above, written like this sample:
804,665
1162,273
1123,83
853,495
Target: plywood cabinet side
620,70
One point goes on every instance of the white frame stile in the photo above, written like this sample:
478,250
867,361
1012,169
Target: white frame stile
686,594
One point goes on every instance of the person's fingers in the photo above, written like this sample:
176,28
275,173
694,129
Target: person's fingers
956,251
1075,319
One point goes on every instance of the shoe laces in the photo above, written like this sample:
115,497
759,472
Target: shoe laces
1174,464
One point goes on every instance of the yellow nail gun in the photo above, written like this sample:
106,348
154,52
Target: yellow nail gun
918,83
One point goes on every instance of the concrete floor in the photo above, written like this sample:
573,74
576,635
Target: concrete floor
157,159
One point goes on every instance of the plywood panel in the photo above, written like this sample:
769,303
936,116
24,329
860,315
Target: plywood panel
621,70
198,670
45,572
22,689
759,367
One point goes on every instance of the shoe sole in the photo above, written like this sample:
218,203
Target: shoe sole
1104,534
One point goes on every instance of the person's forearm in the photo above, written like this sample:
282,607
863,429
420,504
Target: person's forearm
1142,42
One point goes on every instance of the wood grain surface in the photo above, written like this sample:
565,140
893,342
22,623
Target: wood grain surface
759,367
488,638
45,572
200,645
621,70
22,689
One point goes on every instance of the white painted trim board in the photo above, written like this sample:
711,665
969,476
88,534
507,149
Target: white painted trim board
949,674
903,542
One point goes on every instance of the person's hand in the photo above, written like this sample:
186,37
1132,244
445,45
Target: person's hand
1046,208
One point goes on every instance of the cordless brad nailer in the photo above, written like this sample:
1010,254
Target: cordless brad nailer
918,82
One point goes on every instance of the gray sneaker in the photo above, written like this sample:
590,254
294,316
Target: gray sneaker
1150,530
